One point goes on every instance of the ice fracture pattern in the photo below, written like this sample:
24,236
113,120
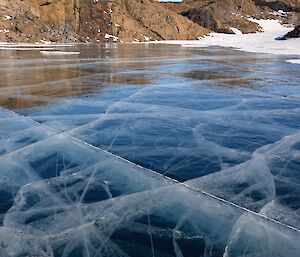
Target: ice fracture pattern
148,150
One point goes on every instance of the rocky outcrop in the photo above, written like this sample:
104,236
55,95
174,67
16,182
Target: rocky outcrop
283,5
92,21
295,33
290,7
54,20
144,20
221,16
131,20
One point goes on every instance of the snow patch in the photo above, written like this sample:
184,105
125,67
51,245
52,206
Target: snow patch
236,31
7,17
263,42
114,38
294,61
280,13
44,41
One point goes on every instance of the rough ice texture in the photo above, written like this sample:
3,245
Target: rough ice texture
186,153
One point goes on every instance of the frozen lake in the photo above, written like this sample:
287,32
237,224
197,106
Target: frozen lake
148,150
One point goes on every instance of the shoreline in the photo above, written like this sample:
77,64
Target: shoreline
260,42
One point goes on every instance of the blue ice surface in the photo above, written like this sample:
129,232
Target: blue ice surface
149,150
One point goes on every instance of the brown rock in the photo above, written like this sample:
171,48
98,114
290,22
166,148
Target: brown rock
220,16
93,21
295,33
143,19
129,20
284,5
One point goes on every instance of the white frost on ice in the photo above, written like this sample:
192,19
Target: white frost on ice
58,53
25,48
38,46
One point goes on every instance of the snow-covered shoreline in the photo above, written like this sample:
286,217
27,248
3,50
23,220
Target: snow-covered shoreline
294,61
263,42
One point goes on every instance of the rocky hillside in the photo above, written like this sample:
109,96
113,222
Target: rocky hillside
92,21
147,20
54,20
222,16
132,20
284,5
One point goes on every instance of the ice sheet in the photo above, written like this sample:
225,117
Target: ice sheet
185,152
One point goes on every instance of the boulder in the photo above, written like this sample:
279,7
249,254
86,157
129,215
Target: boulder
143,20
221,16
282,5
295,33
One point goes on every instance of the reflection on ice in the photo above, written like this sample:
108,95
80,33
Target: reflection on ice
114,157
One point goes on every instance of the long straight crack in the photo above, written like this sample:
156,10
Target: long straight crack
172,180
